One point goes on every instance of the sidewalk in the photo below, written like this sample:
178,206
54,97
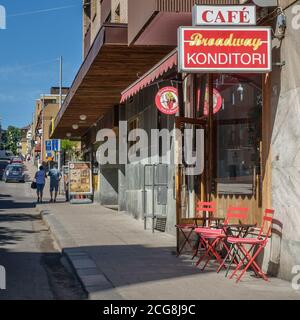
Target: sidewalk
115,259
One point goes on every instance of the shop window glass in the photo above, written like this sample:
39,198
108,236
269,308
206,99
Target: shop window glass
237,133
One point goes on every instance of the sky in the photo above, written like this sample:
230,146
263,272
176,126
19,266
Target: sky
30,48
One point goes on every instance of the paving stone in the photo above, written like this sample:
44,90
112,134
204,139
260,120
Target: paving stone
96,293
87,272
83,263
95,280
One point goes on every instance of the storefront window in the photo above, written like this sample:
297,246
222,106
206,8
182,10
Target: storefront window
237,133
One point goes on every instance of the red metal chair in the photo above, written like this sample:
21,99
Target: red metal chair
213,238
258,243
186,229
208,210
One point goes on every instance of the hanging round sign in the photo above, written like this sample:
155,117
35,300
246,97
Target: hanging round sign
217,101
167,100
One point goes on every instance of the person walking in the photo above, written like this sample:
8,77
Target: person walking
40,178
55,177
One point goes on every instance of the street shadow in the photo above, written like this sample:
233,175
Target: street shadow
18,217
38,276
5,196
126,265
123,266
10,236
10,204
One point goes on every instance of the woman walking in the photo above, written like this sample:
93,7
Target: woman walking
40,178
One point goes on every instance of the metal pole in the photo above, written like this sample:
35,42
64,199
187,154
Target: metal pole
60,105
210,128
153,200
60,80
144,200
42,137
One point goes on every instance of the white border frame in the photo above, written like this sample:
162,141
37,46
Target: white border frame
181,69
91,182
194,15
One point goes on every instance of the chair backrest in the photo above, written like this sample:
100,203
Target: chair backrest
203,207
267,219
236,213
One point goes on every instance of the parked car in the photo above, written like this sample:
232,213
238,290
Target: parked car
14,172
3,165
17,160
6,155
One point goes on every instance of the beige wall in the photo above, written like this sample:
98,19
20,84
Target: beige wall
99,11
95,19
24,147
285,156
50,113
286,3
123,16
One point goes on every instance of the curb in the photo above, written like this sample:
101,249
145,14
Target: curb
94,282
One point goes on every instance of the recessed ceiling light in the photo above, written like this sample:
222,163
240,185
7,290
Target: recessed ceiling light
83,117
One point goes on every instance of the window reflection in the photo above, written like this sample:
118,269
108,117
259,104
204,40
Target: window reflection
237,131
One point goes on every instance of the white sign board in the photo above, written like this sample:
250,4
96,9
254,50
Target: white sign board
80,178
224,15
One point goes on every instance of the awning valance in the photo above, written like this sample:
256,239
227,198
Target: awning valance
157,71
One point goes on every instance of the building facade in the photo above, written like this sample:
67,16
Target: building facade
250,140
283,184
46,110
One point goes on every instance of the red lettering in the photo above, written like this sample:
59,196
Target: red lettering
220,17
243,17
205,16
232,15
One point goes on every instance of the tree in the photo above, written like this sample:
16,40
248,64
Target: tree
3,139
70,149
13,137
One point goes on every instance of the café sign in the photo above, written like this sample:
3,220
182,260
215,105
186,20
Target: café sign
229,49
167,100
224,15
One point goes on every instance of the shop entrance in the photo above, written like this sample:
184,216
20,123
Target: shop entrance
237,144
190,184
234,166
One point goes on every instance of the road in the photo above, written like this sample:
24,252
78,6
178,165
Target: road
35,269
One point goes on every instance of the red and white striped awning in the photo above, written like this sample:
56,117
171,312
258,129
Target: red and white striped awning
157,71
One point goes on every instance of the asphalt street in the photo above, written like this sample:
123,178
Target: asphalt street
34,268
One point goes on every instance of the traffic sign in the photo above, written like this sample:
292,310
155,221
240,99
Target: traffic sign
56,145
48,145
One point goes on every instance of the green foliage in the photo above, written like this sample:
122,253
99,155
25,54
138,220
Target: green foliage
10,139
3,139
68,145
70,149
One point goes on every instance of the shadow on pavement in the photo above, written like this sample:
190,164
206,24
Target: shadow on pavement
38,276
9,236
5,196
11,204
